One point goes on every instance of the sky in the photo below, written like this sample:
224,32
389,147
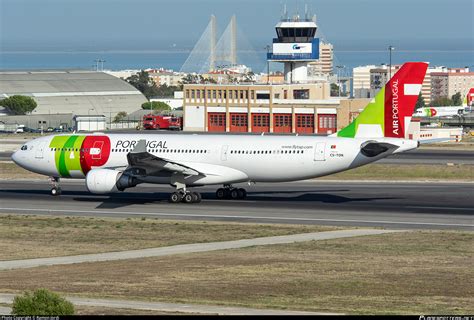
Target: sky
81,25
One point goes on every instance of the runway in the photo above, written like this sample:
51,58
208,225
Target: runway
370,204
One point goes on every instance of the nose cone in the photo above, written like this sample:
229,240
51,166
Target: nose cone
20,158
16,158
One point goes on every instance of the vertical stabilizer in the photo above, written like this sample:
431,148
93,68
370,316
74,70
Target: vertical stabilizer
389,113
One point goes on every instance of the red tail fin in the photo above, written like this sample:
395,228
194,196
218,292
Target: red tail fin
401,94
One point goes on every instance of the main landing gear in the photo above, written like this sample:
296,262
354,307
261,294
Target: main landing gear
55,188
181,195
185,196
229,192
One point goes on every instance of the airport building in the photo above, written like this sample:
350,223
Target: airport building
72,92
286,108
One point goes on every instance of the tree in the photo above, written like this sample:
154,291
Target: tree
143,83
19,105
119,116
156,106
420,103
334,90
165,91
456,98
42,302
441,101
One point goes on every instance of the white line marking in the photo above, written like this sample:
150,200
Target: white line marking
236,217
449,208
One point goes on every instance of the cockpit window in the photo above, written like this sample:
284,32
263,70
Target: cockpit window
24,147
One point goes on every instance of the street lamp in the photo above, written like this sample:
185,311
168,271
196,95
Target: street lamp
338,77
268,63
390,49
89,118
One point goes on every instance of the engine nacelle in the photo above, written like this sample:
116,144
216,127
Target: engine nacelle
102,181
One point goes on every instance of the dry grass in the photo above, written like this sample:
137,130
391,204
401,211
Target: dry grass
9,170
92,310
406,273
406,172
24,237
86,310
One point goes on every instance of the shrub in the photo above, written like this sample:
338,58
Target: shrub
41,302
156,105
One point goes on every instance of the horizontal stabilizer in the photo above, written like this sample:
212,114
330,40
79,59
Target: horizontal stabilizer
373,148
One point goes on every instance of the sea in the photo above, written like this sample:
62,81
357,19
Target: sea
126,60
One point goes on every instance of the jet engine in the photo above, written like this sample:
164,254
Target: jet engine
100,181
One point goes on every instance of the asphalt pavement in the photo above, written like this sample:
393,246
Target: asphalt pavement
427,205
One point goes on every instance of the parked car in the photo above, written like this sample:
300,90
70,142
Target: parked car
20,128
31,130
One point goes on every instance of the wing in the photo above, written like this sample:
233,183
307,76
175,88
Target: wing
141,162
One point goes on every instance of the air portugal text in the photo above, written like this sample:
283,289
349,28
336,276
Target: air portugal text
130,144
395,118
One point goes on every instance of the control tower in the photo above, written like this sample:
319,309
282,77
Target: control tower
295,46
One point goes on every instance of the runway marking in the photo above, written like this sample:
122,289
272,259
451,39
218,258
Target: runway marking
239,217
449,208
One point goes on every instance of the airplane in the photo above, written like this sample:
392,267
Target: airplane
114,162
435,112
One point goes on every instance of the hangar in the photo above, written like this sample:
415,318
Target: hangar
72,91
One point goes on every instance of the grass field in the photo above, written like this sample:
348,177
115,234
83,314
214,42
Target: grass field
406,172
24,237
407,273
368,172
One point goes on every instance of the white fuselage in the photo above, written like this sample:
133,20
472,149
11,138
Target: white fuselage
222,159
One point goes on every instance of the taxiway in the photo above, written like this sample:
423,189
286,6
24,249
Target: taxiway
427,205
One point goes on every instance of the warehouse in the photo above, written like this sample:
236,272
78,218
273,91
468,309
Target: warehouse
72,92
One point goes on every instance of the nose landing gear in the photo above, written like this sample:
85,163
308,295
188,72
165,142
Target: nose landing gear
55,188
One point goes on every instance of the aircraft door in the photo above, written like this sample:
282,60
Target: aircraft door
96,150
224,153
319,151
39,151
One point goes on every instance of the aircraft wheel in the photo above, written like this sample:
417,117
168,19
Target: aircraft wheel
56,191
175,197
235,194
196,197
188,198
242,193
220,193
